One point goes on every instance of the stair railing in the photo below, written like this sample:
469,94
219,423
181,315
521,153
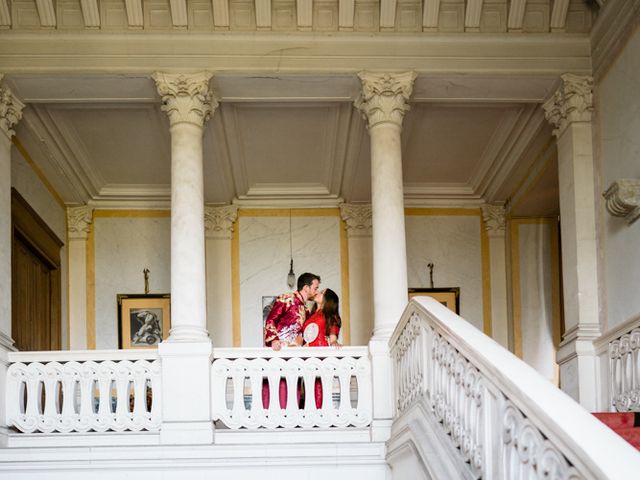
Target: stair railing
492,413
618,353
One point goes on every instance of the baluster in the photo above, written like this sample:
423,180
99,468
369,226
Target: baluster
238,372
156,395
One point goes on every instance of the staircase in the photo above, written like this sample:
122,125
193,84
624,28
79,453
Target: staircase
625,424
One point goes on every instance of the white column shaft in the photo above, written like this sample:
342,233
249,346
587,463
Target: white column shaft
188,304
498,276
389,243
78,293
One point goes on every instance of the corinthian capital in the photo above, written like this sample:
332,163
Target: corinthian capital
79,220
494,219
357,218
385,96
572,102
186,98
218,221
10,110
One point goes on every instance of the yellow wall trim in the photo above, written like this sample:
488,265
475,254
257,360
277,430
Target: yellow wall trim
91,288
285,212
235,284
487,324
444,212
515,288
131,213
344,279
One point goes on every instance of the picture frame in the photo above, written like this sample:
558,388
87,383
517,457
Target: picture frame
449,297
144,320
267,305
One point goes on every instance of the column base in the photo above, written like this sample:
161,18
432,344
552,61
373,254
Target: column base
186,433
381,430
381,379
578,365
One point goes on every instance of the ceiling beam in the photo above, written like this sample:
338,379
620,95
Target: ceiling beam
516,15
430,15
90,13
387,14
220,14
179,13
559,15
346,12
5,14
47,13
134,13
472,16
263,14
305,14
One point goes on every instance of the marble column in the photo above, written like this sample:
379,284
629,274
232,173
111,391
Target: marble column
186,355
79,221
569,112
494,223
357,220
383,102
10,114
219,224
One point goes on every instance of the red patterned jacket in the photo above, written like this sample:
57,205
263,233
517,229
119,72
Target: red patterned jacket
285,319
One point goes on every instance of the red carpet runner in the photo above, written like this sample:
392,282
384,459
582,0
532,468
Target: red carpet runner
627,425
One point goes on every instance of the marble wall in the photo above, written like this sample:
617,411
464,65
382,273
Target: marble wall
123,248
453,245
29,185
536,309
264,261
618,114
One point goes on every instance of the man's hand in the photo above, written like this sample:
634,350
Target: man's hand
276,345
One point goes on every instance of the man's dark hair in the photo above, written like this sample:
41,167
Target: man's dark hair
307,279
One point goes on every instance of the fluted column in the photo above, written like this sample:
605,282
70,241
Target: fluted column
569,112
79,222
494,224
383,102
357,219
189,103
186,356
219,223
10,114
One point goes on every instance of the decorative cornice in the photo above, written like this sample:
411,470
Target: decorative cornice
10,110
494,220
186,98
385,96
79,220
572,102
218,221
623,199
357,219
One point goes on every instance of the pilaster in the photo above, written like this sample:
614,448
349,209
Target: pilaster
357,222
494,220
79,224
219,223
569,111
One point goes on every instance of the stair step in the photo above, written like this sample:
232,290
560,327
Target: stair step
617,420
631,435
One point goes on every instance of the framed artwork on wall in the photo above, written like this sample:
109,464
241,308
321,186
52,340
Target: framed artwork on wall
143,320
449,297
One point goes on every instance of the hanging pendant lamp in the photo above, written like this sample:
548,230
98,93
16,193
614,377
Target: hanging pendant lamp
291,276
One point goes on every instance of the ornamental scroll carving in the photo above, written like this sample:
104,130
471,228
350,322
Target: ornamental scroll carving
357,219
623,199
218,221
385,96
494,220
10,110
572,102
79,220
186,98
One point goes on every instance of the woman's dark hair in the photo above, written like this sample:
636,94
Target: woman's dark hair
330,309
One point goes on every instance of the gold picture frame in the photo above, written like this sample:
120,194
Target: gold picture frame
449,297
143,320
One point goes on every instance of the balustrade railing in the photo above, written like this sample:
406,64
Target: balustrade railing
296,387
500,418
84,391
619,351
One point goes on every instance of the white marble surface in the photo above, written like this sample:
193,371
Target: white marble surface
452,244
618,104
123,248
535,298
27,183
264,262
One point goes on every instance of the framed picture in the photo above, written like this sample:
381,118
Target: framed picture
449,297
267,305
143,320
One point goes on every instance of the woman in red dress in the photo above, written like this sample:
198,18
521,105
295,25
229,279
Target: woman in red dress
323,328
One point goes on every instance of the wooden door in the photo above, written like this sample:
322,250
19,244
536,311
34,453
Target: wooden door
35,322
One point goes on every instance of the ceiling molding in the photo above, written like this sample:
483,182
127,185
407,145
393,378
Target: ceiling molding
217,142
430,15
516,15
559,15
346,12
440,193
236,160
46,12
288,202
135,16
94,52
5,14
90,13
358,136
